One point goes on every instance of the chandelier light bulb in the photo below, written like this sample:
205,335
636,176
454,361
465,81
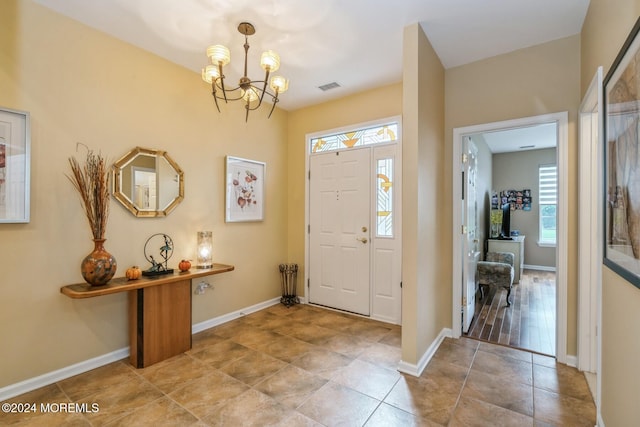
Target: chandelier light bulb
219,54
250,95
270,61
279,84
210,73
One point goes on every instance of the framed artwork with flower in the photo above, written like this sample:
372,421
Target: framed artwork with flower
245,190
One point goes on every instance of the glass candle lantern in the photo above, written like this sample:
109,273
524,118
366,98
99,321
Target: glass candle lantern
205,249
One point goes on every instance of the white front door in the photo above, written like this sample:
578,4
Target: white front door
340,224
471,253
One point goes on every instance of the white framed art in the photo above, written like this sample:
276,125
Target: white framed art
245,194
15,166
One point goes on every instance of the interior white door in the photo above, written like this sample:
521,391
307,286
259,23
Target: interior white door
339,239
470,238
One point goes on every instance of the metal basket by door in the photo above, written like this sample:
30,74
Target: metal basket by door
288,278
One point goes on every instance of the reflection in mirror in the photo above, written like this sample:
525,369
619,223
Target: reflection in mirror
148,182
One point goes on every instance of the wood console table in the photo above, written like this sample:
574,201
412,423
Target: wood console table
159,311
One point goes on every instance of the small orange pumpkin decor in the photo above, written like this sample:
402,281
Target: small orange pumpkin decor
133,273
184,265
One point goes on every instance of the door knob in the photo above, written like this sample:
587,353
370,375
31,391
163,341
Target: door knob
362,239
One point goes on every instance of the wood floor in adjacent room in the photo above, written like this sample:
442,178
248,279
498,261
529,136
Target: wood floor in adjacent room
529,323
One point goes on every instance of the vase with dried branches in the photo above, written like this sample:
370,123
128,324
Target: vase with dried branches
92,182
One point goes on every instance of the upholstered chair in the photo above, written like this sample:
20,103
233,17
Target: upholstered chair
496,270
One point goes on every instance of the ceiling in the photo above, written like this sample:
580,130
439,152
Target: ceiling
520,139
355,43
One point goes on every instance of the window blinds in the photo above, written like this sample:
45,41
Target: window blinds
548,184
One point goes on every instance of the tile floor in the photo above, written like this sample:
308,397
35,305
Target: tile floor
306,366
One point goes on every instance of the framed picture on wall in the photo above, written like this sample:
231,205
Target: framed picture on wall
15,160
245,195
622,162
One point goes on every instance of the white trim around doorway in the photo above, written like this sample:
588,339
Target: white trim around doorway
590,147
562,121
398,203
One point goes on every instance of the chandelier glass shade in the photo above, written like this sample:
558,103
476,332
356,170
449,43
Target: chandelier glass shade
251,92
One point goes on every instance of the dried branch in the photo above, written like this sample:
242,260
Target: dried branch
91,181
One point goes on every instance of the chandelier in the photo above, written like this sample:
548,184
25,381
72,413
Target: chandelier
252,92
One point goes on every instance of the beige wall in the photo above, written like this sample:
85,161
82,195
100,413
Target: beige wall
82,86
605,29
529,82
426,243
55,69
519,170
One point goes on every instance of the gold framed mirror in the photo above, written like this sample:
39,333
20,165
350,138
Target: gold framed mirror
147,182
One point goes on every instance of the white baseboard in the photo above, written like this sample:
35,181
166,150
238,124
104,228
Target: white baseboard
572,361
60,374
207,324
539,267
416,369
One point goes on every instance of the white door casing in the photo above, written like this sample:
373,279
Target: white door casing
589,248
590,233
383,233
339,230
471,251
562,121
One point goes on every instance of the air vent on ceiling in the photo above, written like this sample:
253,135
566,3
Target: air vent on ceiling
329,86
526,147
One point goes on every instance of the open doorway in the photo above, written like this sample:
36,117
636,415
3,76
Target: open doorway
516,202
513,157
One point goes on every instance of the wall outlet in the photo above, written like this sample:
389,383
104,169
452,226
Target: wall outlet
201,287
